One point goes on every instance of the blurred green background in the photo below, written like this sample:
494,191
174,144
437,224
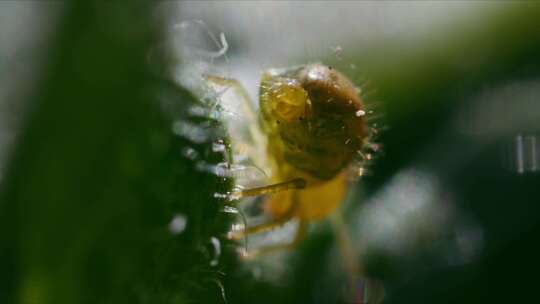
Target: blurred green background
104,200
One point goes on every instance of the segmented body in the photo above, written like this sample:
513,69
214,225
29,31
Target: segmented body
314,122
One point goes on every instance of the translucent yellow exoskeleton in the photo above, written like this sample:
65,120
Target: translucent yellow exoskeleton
310,127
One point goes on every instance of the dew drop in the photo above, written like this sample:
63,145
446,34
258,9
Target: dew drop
238,188
190,153
190,131
524,156
360,113
218,146
216,244
178,224
237,227
205,167
233,196
222,169
198,111
230,209
221,195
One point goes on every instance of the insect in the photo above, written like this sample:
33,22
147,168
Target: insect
311,126
309,133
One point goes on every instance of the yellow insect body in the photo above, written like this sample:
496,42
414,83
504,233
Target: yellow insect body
314,121
309,128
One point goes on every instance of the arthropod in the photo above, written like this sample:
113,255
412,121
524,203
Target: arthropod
310,128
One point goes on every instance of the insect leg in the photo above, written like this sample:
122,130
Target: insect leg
259,228
265,226
373,290
297,183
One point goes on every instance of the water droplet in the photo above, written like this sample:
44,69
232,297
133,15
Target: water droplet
230,209
238,188
217,251
524,156
360,113
205,167
178,224
233,196
190,153
190,131
243,253
221,195
198,111
236,230
237,227
222,169
218,146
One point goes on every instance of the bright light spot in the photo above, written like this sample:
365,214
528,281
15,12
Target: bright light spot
524,155
190,153
413,214
217,251
178,224
190,131
408,207
237,227
315,74
230,209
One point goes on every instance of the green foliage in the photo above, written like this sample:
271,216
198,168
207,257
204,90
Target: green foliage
97,175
